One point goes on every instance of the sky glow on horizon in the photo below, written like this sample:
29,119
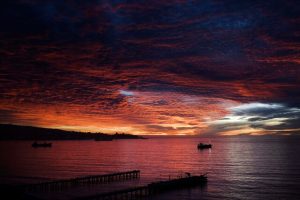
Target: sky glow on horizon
165,68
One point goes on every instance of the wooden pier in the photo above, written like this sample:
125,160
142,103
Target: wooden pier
87,180
150,189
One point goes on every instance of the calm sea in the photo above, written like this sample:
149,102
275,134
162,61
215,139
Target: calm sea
238,168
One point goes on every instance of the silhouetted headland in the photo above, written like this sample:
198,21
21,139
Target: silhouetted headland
15,132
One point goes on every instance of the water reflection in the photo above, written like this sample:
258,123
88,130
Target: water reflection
236,167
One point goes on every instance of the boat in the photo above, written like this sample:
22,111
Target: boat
204,146
45,144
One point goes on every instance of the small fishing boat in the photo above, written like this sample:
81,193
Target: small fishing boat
204,146
45,144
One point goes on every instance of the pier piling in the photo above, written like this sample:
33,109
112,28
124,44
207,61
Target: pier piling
87,180
150,189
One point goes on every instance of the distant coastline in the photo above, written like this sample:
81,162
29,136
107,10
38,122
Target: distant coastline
16,132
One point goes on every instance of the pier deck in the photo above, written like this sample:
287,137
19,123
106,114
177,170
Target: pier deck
79,181
150,189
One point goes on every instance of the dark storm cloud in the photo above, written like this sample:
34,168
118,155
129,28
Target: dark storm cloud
83,53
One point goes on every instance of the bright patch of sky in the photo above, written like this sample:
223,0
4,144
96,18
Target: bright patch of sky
126,93
256,118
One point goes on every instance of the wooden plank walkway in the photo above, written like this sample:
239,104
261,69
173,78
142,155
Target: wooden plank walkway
150,189
79,181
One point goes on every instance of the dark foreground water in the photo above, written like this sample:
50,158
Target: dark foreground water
238,168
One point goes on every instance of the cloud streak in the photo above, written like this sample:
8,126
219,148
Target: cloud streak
166,68
257,119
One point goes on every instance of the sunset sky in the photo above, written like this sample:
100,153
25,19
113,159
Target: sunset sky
177,67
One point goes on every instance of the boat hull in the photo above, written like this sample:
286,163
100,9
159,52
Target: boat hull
204,146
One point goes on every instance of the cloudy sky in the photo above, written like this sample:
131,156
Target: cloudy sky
152,67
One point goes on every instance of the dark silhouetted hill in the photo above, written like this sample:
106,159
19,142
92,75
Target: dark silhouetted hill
15,132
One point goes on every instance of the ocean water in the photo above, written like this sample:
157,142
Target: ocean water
238,168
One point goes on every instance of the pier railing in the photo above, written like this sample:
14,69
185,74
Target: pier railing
87,180
150,189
